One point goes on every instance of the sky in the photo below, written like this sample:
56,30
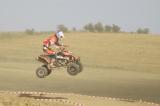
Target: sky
45,15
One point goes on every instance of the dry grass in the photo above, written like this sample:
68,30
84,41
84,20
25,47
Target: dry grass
123,51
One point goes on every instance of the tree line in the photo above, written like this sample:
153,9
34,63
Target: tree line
97,27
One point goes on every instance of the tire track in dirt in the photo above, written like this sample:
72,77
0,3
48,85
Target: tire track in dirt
52,97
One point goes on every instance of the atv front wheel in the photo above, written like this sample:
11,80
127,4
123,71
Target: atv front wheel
73,69
48,70
42,72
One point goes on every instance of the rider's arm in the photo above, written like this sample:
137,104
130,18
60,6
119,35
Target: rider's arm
58,44
48,45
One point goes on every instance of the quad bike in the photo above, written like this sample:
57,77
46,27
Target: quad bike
64,58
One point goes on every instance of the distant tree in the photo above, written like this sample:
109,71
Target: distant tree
86,27
108,28
143,30
116,28
99,27
89,27
62,28
74,29
146,30
30,31
139,31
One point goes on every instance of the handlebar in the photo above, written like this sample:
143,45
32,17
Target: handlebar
62,48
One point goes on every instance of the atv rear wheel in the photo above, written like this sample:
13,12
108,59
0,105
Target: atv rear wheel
49,71
42,72
73,69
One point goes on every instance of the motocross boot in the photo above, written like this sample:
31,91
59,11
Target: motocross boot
51,64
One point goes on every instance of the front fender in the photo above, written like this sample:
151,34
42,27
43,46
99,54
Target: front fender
43,59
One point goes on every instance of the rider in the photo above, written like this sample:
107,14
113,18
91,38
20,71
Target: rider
53,40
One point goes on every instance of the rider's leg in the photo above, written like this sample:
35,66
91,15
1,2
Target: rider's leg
52,59
51,55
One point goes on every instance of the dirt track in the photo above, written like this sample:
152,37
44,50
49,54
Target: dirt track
74,99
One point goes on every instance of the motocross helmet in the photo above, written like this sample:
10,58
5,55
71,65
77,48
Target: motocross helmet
60,35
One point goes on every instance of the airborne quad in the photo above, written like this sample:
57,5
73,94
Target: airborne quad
64,58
